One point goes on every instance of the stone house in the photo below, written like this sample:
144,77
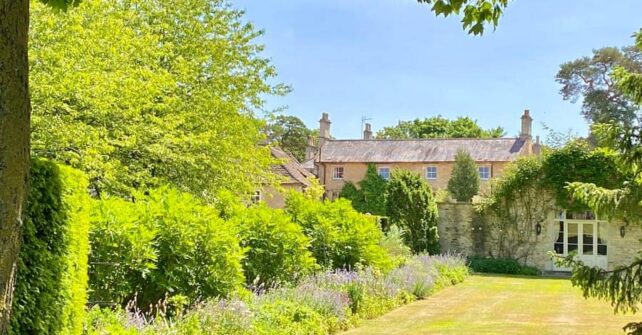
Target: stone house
293,176
336,162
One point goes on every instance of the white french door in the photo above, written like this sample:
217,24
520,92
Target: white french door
584,235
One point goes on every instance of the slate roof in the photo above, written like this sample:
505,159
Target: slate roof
290,168
420,150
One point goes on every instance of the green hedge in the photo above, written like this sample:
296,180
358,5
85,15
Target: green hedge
341,236
277,249
165,243
51,288
502,266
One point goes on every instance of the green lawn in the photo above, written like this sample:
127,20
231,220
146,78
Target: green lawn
502,305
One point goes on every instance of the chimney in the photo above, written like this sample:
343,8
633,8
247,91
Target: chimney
527,125
324,129
367,133
537,147
310,149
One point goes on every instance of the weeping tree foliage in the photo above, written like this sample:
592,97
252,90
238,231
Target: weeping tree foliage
622,285
464,182
411,206
145,93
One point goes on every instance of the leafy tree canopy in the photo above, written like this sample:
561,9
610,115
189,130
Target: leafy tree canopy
439,127
592,79
474,14
290,134
142,93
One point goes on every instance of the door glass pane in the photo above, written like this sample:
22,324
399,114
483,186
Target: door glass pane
559,243
601,238
572,237
587,239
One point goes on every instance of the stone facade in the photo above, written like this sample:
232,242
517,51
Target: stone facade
461,230
355,172
353,156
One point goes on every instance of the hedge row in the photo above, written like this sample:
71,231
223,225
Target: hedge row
50,292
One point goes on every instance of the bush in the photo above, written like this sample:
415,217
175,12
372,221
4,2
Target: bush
502,266
369,198
410,205
341,236
393,242
165,243
277,249
464,182
51,286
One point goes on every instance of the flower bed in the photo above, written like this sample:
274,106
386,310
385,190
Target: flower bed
324,303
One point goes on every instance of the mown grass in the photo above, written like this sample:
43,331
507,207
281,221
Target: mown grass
489,304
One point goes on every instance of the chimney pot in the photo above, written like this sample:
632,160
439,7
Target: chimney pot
527,126
367,132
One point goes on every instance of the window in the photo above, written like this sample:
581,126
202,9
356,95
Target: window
484,172
256,197
384,172
581,232
431,172
338,173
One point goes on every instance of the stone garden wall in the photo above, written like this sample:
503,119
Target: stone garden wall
462,230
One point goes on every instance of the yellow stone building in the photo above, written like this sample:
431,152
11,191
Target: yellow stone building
336,162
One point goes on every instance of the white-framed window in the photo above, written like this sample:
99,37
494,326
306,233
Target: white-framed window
581,232
484,172
431,172
384,172
256,197
337,173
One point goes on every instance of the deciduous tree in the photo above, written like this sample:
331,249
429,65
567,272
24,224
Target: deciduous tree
146,93
15,112
289,133
439,127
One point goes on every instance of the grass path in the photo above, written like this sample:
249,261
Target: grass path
502,305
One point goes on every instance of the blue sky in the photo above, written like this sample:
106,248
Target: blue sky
393,59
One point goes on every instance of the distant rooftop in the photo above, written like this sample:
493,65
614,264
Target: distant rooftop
290,168
420,150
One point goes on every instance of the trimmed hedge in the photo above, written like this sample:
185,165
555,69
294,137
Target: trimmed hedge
51,288
502,266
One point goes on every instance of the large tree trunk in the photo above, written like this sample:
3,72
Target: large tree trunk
14,142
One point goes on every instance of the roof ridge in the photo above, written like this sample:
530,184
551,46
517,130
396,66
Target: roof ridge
426,139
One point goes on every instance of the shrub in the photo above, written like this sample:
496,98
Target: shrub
165,243
393,242
277,249
464,182
411,205
369,198
341,236
502,266
51,286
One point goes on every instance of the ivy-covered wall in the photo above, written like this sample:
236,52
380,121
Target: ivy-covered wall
51,289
